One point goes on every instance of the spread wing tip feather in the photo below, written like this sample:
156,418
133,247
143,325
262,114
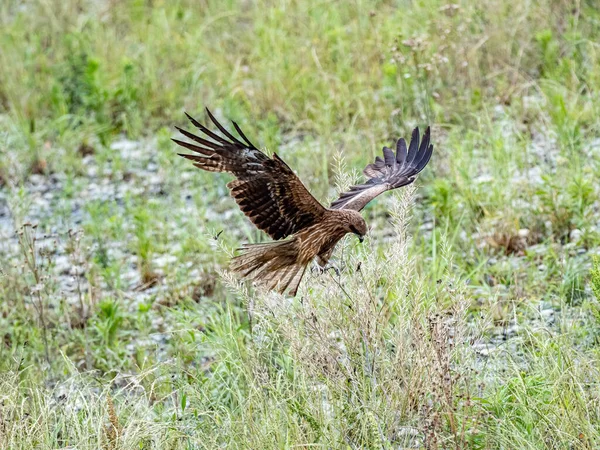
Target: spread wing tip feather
266,189
391,172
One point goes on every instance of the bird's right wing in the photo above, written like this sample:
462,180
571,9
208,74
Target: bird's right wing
391,172
267,191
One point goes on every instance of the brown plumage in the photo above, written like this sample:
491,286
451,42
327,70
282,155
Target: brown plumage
275,200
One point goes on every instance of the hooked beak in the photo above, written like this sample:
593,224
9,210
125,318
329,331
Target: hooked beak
361,239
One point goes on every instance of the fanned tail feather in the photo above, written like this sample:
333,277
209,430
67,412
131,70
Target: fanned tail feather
273,265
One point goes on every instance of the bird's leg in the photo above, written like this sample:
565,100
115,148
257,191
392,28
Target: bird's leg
322,268
333,266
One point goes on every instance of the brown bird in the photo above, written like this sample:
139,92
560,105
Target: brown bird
275,200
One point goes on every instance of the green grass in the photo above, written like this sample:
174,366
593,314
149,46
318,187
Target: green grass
468,319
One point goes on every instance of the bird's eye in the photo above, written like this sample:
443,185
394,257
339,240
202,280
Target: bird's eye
354,230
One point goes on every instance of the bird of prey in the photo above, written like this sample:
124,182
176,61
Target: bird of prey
275,200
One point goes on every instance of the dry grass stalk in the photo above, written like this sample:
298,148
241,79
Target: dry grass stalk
113,429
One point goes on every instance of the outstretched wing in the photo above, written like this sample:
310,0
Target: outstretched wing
391,172
266,189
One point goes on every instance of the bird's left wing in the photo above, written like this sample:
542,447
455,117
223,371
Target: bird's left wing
391,172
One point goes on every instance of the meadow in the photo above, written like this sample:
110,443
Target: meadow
468,319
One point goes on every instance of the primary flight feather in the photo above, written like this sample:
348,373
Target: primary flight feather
275,200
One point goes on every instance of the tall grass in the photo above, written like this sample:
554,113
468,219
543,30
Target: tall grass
468,319
373,68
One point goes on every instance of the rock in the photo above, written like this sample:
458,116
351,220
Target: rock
124,145
483,179
62,264
165,260
484,348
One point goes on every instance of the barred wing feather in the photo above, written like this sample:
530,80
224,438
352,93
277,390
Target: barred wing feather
267,191
391,172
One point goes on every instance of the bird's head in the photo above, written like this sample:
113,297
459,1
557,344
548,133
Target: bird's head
356,224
